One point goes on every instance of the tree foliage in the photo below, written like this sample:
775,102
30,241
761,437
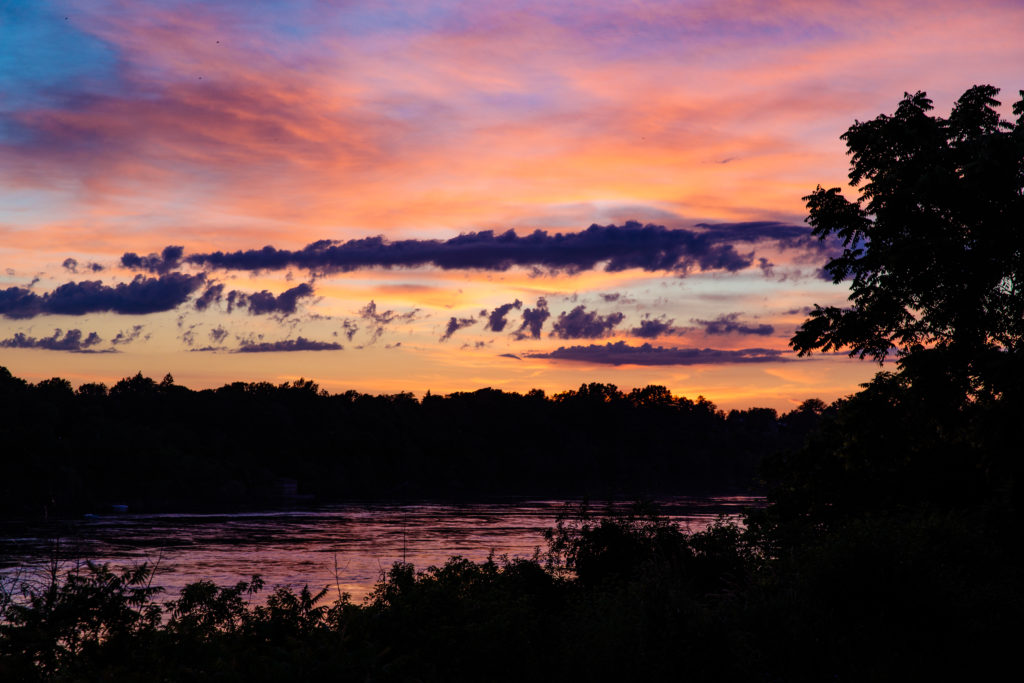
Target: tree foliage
933,247
933,251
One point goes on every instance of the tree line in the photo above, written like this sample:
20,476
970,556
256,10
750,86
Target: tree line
154,445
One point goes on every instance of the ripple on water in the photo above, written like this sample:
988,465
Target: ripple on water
298,547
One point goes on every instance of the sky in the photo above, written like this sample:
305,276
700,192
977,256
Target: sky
445,196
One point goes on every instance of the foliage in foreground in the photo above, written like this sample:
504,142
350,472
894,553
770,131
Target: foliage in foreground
890,596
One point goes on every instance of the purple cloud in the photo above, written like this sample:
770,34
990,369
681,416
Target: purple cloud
496,320
455,324
533,320
729,323
167,260
580,323
632,245
621,353
127,336
297,344
652,328
379,320
72,342
264,302
140,296
218,334
213,293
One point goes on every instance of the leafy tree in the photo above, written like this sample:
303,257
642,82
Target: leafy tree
934,245
46,631
136,386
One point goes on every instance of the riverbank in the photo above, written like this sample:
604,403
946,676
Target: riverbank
628,597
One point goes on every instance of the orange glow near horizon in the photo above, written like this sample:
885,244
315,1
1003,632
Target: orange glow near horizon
230,126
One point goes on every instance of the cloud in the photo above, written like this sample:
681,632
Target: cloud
297,344
71,265
509,355
379,320
127,336
786,235
652,328
218,334
620,353
496,319
455,324
140,296
213,293
533,320
632,245
264,302
730,323
580,323
167,260
189,335
350,328
72,341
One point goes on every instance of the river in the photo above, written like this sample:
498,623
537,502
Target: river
343,547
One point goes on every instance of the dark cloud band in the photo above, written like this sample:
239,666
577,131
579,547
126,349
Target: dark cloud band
297,344
140,296
73,341
632,245
621,353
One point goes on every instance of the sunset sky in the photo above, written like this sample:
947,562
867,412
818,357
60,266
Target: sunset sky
398,196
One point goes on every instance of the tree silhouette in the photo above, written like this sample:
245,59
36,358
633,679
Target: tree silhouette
934,246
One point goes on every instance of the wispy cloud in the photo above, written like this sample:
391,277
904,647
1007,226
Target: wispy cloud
127,336
730,323
621,353
456,324
379,320
297,344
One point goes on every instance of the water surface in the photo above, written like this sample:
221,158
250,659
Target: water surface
344,547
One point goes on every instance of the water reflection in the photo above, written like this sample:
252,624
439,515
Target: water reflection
345,547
